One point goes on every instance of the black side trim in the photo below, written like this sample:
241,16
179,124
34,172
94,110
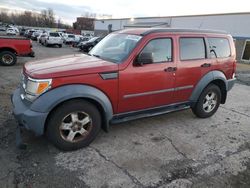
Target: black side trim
123,117
109,75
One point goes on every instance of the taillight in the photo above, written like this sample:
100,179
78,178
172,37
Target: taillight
47,38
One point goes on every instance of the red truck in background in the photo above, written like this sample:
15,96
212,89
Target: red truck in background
11,47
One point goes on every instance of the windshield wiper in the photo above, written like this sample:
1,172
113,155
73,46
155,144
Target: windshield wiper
95,55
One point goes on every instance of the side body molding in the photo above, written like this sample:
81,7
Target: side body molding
49,100
204,81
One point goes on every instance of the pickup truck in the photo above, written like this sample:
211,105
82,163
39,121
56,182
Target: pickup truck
11,47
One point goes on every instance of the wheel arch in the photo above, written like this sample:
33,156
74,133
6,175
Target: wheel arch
53,99
216,77
8,49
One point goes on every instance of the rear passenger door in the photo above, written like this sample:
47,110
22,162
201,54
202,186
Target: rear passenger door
192,65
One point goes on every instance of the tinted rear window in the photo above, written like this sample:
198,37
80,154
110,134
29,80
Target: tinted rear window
219,47
71,36
192,48
54,35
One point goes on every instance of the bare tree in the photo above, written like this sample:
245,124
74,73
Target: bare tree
27,18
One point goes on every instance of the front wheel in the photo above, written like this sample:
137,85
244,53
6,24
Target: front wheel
74,125
7,58
208,102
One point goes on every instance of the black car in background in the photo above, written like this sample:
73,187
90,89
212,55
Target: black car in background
87,46
22,31
29,33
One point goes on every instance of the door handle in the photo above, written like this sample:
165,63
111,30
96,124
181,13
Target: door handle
206,65
170,69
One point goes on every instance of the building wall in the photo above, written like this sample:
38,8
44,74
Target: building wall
235,24
83,23
239,44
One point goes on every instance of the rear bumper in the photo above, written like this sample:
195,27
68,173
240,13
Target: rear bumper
27,118
31,54
54,42
230,84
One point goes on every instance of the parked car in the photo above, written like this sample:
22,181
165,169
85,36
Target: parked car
2,28
22,31
29,33
10,31
41,37
130,74
88,45
79,39
69,38
51,39
35,35
10,47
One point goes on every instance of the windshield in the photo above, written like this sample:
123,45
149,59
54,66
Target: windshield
115,47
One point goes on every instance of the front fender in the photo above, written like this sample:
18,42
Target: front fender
50,99
205,80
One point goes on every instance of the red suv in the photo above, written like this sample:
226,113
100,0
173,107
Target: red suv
130,74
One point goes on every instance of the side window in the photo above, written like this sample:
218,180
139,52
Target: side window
160,49
219,47
192,48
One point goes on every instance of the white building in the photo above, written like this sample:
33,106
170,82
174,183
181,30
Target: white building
237,24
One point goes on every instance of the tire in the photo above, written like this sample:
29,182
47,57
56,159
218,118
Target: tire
60,125
7,58
208,102
59,45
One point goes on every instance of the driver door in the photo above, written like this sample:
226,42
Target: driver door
150,84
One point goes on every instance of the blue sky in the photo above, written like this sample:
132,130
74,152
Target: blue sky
68,10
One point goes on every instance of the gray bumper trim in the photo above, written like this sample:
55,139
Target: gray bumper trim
230,83
31,120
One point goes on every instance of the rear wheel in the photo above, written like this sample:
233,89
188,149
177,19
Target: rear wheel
7,58
74,125
208,102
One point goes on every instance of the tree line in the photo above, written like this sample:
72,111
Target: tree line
45,18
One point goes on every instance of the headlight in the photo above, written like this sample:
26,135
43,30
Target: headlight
35,87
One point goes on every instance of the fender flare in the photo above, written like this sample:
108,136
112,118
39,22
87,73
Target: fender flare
204,81
49,100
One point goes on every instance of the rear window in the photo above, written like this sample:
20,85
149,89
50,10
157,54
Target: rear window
71,36
219,47
192,48
54,35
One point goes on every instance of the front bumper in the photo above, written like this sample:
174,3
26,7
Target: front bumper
27,118
230,84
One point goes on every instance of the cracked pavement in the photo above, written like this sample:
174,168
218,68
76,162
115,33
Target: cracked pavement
172,150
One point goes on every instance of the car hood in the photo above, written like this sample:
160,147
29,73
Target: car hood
67,66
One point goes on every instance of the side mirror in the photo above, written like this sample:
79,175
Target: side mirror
144,58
